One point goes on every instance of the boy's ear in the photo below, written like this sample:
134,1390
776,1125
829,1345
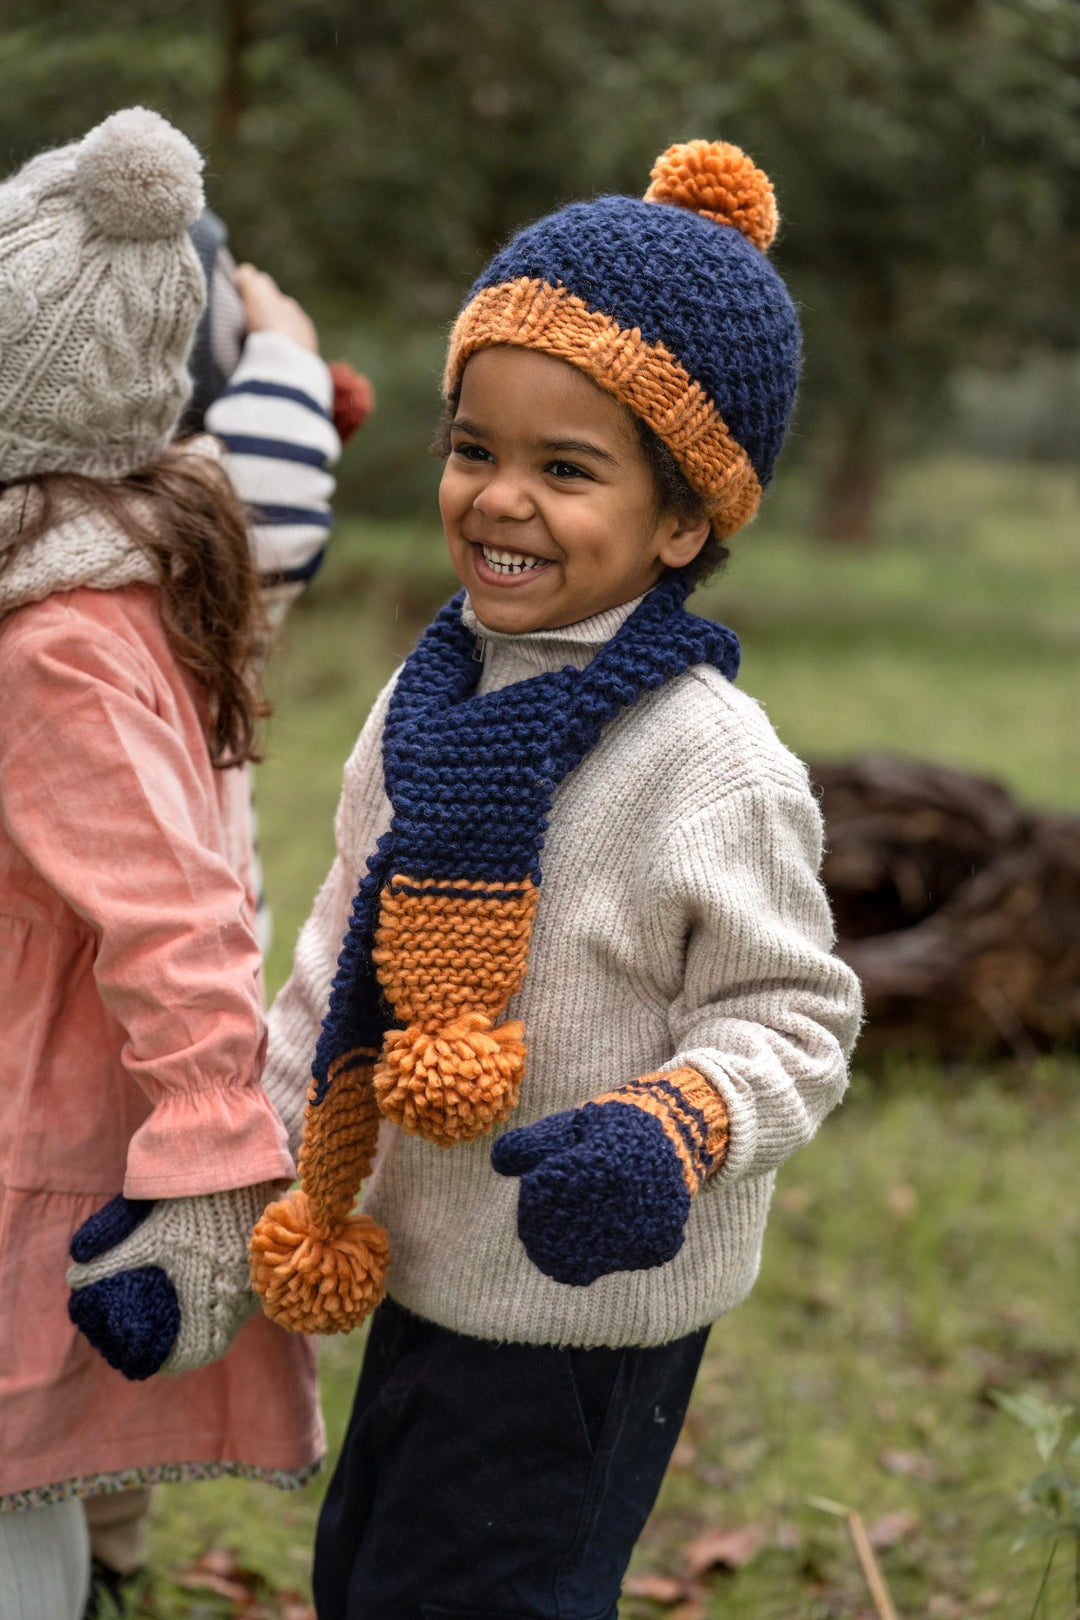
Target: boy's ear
680,542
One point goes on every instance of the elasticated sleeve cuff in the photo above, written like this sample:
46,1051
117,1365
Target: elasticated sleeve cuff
206,1141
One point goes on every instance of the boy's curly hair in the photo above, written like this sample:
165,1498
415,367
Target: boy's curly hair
675,495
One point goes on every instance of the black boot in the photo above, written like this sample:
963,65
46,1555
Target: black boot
109,1591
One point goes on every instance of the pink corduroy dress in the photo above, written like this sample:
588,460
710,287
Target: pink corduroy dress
131,1044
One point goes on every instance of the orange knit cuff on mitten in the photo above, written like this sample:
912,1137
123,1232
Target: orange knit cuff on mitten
692,1113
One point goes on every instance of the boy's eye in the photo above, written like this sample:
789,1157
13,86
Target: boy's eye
471,452
566,470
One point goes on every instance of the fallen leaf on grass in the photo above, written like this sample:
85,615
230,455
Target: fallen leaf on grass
217,1561
218,1570
915,1464
891,1529
660,1588
730,1548
208,1580
680,1589
903,1200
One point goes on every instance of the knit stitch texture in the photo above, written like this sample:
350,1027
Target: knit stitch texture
601,1191
471,778
680,926
702,290
163,1286
82,547
100,292
667,302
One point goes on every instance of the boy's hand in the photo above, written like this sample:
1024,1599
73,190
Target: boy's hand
268,309
607,1187
164,1286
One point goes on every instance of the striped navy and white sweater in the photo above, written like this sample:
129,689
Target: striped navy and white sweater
280,442
274,422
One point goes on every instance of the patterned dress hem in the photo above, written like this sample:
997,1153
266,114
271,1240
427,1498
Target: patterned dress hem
285,1479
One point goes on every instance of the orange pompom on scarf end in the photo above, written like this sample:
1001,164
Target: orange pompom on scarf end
318,1267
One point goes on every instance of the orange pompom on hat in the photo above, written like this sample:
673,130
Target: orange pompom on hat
670,304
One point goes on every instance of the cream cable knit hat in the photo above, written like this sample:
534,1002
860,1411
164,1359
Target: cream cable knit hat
100,293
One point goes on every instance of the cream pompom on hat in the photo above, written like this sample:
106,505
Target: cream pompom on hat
100,293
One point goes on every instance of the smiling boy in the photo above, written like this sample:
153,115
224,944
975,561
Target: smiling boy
545,531
591,926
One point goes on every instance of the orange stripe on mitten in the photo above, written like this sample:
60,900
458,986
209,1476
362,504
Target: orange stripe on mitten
692,1113
608,1186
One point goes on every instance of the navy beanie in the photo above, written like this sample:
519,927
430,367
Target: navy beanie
670,304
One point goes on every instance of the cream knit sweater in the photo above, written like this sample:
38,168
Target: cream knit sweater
681,922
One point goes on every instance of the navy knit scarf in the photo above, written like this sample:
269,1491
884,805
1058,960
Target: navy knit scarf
471,778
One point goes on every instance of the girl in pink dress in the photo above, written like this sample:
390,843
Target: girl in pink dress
130,973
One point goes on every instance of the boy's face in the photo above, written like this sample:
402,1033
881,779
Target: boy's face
549,506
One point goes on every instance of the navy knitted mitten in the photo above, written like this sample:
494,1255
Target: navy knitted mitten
607,1187
163,1286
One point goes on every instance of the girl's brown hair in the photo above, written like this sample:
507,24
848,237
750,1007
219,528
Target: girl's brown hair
184,514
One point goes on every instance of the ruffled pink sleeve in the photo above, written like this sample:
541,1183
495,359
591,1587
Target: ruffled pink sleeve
106,787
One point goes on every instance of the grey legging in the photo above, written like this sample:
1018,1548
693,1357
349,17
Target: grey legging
44,1562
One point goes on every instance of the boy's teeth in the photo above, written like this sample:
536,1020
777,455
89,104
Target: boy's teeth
510,562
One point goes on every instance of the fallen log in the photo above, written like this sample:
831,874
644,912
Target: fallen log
958,909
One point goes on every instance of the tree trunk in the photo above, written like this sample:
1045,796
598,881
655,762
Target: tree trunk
239,33
958,909
851,487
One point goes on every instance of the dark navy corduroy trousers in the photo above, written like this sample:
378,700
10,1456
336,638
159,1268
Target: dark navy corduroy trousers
495,1481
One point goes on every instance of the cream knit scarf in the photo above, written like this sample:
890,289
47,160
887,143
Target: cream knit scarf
85,547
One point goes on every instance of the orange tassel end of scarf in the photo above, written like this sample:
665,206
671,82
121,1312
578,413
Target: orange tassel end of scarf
318,1267
317,1278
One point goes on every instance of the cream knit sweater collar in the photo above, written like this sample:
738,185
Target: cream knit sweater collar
515,657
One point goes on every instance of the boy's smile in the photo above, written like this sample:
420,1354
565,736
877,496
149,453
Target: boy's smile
550,508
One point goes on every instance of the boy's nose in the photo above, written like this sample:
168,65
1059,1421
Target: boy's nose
505,497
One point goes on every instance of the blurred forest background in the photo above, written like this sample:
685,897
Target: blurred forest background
926,154
912,584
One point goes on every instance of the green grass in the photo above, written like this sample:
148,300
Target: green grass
923,1249
921,1252
956,638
